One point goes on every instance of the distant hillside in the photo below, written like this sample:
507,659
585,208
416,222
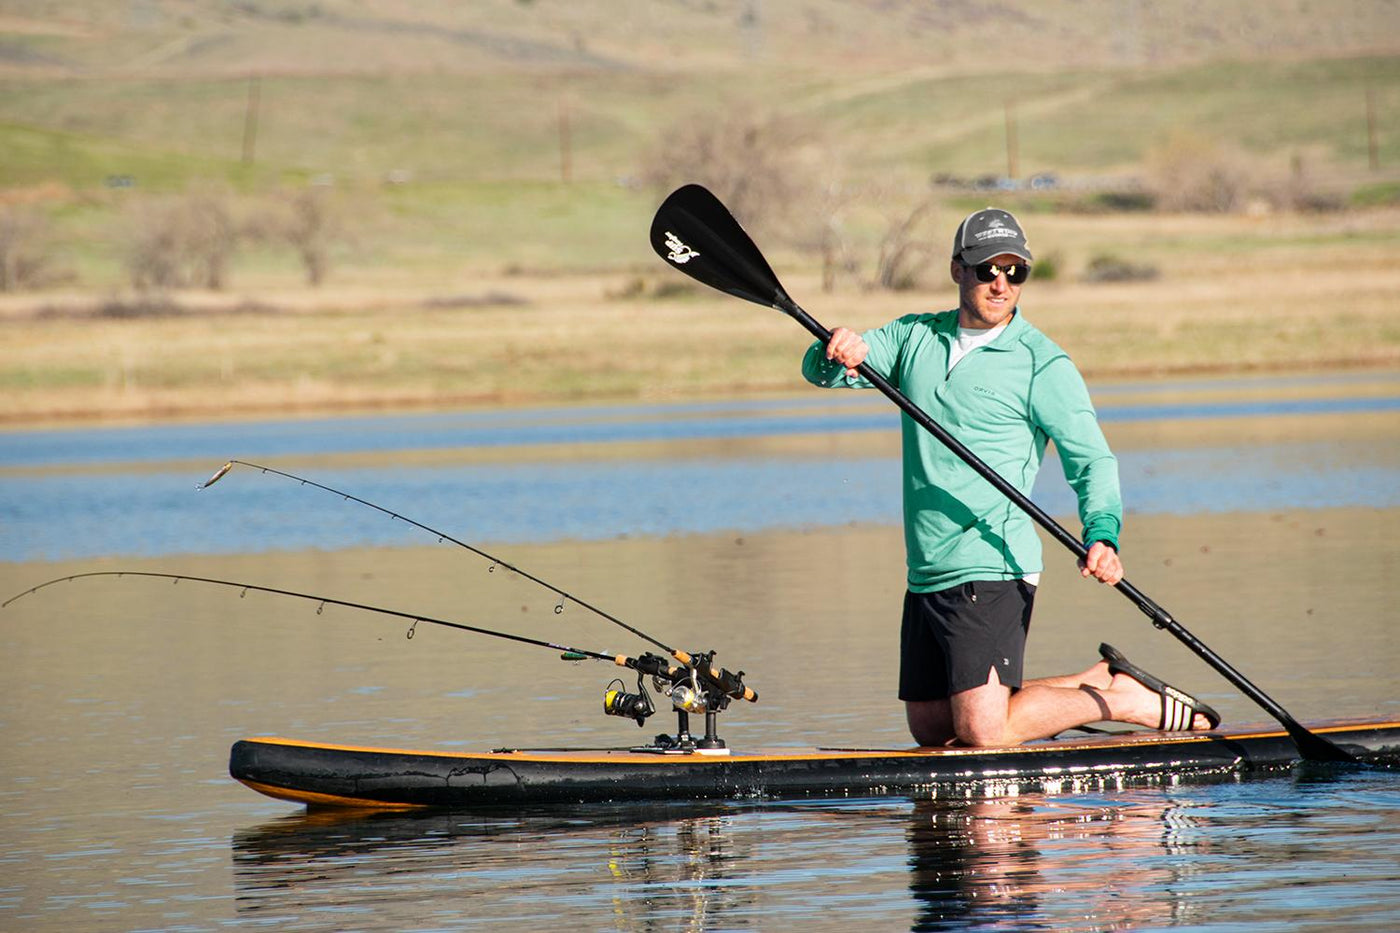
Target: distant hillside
207,38
535,134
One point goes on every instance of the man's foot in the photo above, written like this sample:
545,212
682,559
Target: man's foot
1179,710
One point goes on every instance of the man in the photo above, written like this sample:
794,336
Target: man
1004,390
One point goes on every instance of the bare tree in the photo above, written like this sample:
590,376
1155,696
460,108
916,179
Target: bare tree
211,235
183,241
1193,173
310,226
24,248
904,251
820,227
760,166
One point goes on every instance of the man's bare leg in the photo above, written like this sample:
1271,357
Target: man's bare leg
993,715
1096,676
930,721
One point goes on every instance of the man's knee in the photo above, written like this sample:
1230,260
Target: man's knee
982,734
980,714
930,721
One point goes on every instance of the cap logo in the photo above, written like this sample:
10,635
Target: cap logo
987,233
679,253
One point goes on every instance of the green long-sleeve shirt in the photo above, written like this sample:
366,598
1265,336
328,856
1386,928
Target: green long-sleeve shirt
1004,401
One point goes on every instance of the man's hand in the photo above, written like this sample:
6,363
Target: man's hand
1102,564
846,348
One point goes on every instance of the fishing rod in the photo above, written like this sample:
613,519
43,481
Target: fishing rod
694,688
714,686
683,657
680,656
570,653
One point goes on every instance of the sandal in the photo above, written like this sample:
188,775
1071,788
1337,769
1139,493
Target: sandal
1179,708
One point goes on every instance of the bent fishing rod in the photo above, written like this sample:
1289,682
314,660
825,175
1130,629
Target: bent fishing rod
730,683
572,654
695,233
697,687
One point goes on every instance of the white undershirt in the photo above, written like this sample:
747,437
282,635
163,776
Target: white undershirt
969,339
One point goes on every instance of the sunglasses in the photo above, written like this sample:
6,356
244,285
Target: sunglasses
1016,273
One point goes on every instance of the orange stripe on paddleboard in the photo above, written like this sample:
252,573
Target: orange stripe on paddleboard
313,799
1145,737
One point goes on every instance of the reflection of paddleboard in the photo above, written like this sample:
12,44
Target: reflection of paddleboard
321,775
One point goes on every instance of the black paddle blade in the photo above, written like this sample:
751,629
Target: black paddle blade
695,232
1314,747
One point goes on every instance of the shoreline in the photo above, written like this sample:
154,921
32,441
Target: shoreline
212,410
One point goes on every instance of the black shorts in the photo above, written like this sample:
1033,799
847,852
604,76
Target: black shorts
950,640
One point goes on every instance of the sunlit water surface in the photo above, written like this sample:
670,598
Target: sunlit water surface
121,697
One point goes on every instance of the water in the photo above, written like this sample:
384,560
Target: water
1270,536
1200,860
116,484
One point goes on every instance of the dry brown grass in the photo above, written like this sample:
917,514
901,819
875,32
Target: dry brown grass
1234,294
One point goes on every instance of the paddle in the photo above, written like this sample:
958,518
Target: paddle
697,234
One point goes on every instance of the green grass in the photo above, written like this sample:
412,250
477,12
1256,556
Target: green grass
1376,195
1100,121
506,128
483,157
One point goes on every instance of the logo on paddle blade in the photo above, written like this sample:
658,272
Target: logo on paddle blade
679,253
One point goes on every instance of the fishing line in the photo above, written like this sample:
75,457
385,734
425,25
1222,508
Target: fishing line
444,536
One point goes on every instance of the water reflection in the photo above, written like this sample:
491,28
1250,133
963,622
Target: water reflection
677,866
977,864
1023,862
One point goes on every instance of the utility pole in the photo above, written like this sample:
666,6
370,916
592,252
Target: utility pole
1372,145
250,120
1013,156
566,144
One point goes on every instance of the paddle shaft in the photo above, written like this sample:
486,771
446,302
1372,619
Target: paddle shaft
698,235
1312,746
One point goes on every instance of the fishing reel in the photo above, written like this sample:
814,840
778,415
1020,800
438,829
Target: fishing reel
696,687
617,702
683,689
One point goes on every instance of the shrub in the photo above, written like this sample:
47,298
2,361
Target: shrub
641,288
1116,202
1046,268
1108,268
1381,194
1192,173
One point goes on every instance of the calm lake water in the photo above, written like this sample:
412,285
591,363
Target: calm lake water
1261,513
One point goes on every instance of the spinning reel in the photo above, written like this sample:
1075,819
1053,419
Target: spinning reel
696,688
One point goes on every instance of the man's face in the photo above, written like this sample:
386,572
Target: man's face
986,304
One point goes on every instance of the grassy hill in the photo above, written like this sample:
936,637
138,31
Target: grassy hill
488,164
184,38
503,141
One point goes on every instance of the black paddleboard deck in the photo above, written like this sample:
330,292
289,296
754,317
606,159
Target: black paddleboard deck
321,775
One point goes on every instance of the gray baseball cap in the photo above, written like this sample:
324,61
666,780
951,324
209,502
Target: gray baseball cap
987,233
